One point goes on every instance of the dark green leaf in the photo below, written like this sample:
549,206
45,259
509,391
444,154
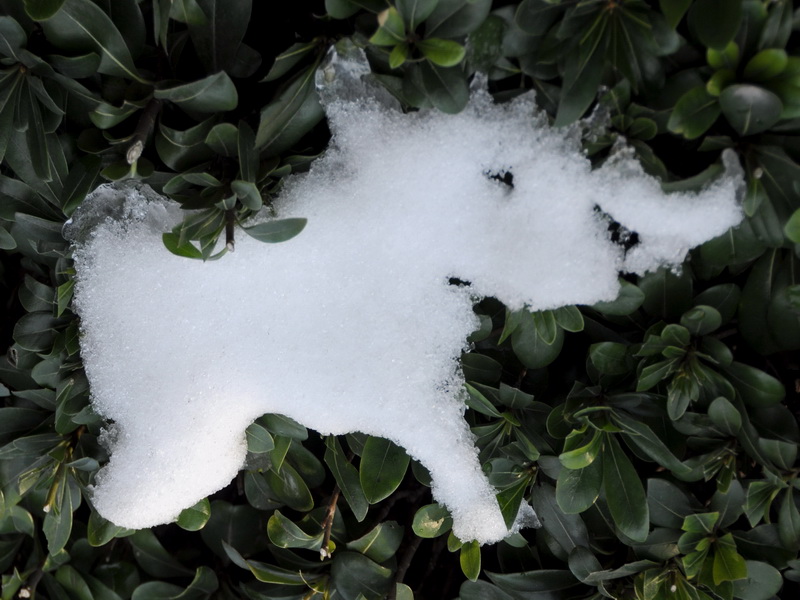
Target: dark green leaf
380,543
715,22
624,492
577,490
346,476
81,24
454,18
217,38
694,113
628,301
757,388
213,94
276,231
383,466
354,574
750,109
446,88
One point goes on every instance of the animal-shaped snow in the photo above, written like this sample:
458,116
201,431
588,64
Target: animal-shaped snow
353,326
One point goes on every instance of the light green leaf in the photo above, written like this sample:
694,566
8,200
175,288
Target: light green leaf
470,559
445,53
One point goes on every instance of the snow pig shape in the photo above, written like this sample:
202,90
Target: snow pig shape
353,326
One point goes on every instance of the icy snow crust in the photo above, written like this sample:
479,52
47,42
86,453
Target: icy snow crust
352,325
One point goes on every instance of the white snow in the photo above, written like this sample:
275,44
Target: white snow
352,325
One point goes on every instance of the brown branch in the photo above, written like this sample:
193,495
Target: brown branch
404,564
327,524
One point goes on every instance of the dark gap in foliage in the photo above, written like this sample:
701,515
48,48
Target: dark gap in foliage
504,176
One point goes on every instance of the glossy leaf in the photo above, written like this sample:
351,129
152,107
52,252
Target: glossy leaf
383,466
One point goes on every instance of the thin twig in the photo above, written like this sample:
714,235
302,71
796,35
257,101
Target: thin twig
404,564
327,524
230,220
147,121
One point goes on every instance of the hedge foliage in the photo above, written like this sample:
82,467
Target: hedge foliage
656,436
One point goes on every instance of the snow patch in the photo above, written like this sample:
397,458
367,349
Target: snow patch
352,325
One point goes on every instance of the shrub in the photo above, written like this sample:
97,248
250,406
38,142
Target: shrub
656,436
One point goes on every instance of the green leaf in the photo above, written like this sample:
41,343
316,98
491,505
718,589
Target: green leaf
577,490
667,503
582,75
581,457
276,231
446,88
725,416
792,227
398,55
750,109
643,437
356,576
715,22
568,530
380,543
285,534
531,349
481,368
100,531
195,517
41,10
610,358
391,28
81,24
290,115
248,194
432,520
248,157
701,320
478,402
213,94
728,563
259,439
217,38
569,318
445,53
694,113
223,139
289,487
727,58
172,241
763,582
454,18
789,521
415,12
674,10
624,492
288,59
383,466
187,11
470,559
153,558
700,523
628,301
766,64
510,500
757,388
346,476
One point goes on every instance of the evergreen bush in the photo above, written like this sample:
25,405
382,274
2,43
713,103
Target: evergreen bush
656,436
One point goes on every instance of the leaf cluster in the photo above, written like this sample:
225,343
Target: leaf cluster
656,436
